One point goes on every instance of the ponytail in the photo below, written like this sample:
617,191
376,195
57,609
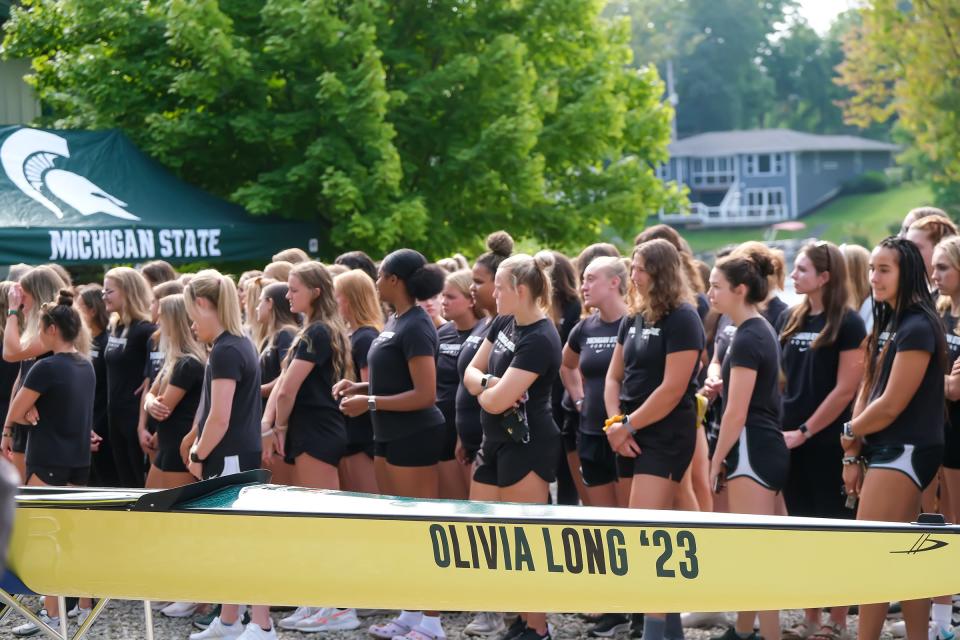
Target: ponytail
222,294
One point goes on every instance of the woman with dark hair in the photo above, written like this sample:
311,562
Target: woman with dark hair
750,450
822,360
157,272
898,417
103,471
401,398
690,268
651,383
512,375
358,260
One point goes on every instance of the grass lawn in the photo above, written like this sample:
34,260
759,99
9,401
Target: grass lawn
862,218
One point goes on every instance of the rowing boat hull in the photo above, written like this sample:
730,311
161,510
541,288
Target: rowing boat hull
277,545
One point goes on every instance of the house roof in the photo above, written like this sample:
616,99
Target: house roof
719,143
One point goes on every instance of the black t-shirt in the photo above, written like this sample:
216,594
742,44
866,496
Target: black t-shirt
97,346
921,423
536,348
235,358
645,351
187,374
8,377
448,379
774,310
66,384
755,346
271,358
467,405
360,429
811,374
154,359
593,340
703,306
953,349
409,336
570,316
126,358
314,406
25,367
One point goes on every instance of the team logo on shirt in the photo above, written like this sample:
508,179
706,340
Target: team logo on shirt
650,332
450,349
953,343
803,340
600,344
505,342
383,337
474,340
116,343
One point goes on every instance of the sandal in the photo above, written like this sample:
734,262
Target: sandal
388,630
799,631
829,632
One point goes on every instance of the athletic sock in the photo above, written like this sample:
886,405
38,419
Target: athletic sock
941,615
409,619
653,628
674,627
744,636
431,624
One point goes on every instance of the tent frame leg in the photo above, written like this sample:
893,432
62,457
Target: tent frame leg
13,603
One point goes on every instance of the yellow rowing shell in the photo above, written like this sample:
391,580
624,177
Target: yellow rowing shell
267,544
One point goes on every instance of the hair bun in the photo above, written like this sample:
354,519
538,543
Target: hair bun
500,243
764,263
544,260
65,298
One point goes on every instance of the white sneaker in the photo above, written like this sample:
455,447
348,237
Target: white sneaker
180,609
939,633
218,630
254,632
330,620
704,620
898,629
29,628
82,615
159,606
484,624
290,622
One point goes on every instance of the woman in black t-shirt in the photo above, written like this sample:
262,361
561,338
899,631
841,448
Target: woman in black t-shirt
360,308
822,361
174,396
586,359
21,341
226,436
898,416
56,400
946,277
103,471
308,426
462,317
750,451
401,398
127,297
277,327
513,374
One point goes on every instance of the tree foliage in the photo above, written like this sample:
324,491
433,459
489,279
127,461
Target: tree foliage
387,123
903,61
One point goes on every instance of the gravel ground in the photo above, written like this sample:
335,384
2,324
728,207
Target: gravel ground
124,619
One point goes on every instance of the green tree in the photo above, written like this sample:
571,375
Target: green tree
387,123
903,61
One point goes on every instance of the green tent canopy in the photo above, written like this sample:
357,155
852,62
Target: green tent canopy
85,197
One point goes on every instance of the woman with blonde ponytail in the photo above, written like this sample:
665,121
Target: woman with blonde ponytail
127,297
513,374
226,435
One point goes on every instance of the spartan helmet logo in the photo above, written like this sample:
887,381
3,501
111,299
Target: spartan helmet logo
28,157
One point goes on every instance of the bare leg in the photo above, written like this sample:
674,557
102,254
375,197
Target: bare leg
534,490
452,486
357,474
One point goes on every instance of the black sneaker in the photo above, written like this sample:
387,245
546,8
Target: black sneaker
515,630
531,634
609,625
636,625
731,634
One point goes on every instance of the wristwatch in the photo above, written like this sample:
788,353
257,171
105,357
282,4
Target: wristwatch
372,403
194,457
626,423
485,380
804,430
847,432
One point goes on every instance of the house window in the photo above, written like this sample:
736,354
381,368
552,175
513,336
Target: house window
830,165
764,164
663,171
765,203
713,172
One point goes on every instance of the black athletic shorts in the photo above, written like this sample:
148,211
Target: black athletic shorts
920,464
814,486
598,462
19,437
326,445
762,456
168,448
421,449
354,448
506,463
59,476
569,430
664,455
448,450
951,447
217,467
